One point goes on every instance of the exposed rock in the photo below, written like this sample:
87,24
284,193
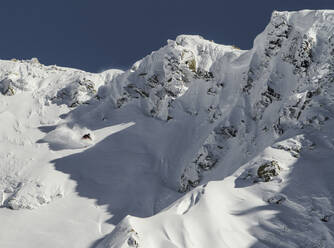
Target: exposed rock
278,199
6,87
226,132
76,93
132,242
326,218
268,170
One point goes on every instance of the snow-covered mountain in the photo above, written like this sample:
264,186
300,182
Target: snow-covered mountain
197,145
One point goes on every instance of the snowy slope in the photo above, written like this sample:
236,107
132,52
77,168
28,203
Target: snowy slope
197,145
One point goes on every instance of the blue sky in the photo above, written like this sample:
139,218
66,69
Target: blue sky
101,34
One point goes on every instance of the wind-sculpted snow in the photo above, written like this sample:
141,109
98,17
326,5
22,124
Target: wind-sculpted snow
196,145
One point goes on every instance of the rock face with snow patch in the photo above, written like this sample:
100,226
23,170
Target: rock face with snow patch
282,85
165,75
